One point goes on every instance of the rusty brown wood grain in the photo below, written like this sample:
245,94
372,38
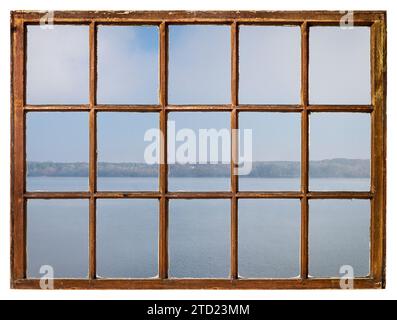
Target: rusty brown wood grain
304,245
239,284
93,150
163,177
18,169
234,153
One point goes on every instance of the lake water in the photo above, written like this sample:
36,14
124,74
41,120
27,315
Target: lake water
199,230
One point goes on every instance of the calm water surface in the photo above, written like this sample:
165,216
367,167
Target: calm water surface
199,230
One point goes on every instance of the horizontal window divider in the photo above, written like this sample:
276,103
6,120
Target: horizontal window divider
180,283
269,195
199,195
122,108
273,108
225,107
123,22
318,17
56,195
202,21
340,108
103,108
339,195
221,107
55,108
128,195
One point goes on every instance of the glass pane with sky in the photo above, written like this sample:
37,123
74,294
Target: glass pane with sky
339,65
128,151
57,151
199,64
269,63
128,64
339,151
57,64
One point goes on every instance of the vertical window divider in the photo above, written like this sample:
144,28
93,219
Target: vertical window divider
93,150
234,151
163,176
378,152
18,146
304,150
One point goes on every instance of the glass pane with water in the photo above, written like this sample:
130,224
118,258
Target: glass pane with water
128,64
199,238
339,235
57,238
199,64
269,238
340,151
57,64
57,149
270,64
270,161
340,65
127,238
199,151
128,151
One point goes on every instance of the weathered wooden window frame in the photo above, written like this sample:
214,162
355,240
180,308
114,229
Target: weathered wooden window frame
376,20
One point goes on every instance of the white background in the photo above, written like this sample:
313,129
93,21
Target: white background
7,293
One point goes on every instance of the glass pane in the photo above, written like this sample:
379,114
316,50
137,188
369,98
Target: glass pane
57,151
126,161
271,161
57,236
339,235
340,151
57,65
269,65
199,64
339,67
127,238
128,70
199,151
269,238
199,238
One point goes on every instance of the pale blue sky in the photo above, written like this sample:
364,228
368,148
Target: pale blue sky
199,73
269,65
339,67
199,65
128,65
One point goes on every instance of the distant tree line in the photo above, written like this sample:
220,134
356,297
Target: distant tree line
338,168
